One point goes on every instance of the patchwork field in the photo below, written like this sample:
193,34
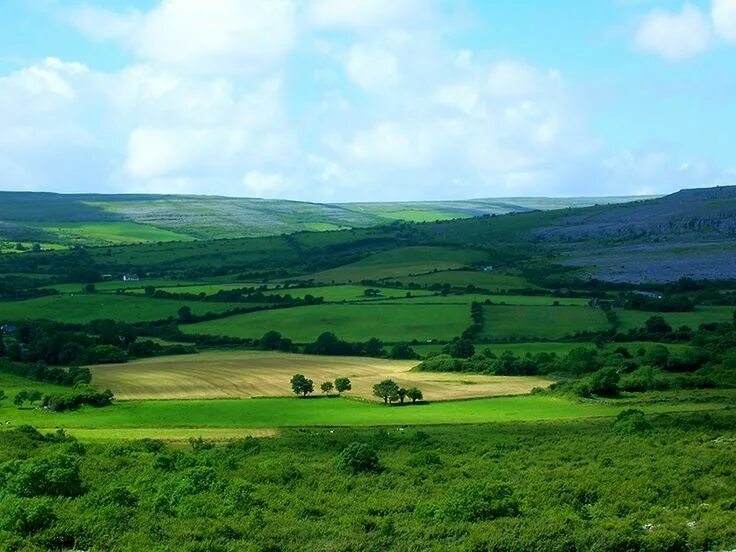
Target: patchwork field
630,319
467,298
82,308
403,261
542,322
351,322
248,374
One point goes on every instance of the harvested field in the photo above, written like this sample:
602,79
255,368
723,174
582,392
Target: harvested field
267,374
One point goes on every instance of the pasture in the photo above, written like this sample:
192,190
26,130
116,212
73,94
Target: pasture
463,278
631,319
248,374
108,233
351,322
504,299
82,308
541,322
403,261
164,415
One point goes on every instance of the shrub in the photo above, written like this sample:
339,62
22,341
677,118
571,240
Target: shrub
480,502
359,458
25,517
54,476
631,421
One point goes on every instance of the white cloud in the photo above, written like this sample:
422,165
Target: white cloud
217,36
724,18
363,14
372,67
266,184
674,36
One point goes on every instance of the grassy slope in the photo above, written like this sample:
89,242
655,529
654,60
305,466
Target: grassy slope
352,322
403,261
543,322
82,308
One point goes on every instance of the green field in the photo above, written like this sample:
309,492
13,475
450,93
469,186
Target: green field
462,278
331,294
102,233
130,286
468,298
81,308
631,319
403,261
292,412
541,322
351,322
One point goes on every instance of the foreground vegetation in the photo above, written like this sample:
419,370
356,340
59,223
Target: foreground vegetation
641,484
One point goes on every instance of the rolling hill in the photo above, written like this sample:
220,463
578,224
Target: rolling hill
91,219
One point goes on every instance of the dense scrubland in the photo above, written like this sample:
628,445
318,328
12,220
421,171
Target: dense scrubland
500,388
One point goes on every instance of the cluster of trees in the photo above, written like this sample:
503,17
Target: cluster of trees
301,385
81,394
240,295
476,315
39,371
389,391
637,301
99,342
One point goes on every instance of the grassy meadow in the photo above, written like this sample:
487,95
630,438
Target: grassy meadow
403,261
270,413
352,322
541,322
493,280
81,308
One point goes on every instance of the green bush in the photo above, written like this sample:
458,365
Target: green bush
631,421
359,458
480,502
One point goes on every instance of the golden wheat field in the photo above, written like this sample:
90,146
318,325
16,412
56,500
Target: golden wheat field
266,374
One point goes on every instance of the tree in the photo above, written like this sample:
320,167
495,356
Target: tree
657,324
20,398
89,288
185,314
401,392
459,348
342,385
2,345
604,382
270,341
326,387
301,385
2,395
657,356
371,292
34,396
373,347
402,351
386,390
414,394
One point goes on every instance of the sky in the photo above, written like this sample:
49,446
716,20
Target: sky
367,100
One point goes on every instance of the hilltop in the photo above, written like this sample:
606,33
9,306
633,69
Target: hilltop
92,219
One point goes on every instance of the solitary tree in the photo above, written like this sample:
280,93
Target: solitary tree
414,394
301,385
185,314
342,385
401,392
34,396
387,390
326,387
20,398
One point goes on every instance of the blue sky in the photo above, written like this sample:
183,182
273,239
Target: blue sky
338,100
